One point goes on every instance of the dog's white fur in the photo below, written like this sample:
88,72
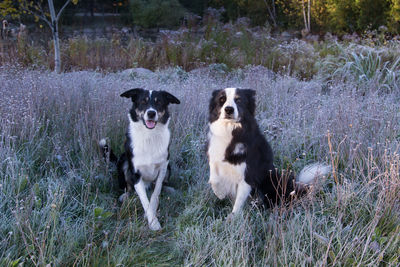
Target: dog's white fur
150,150
226,180
310,172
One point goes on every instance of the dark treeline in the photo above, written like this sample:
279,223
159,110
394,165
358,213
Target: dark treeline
318,16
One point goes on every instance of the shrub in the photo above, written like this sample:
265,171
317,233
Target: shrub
156,13
371,68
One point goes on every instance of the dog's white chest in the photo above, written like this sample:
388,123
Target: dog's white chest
224,177
150,149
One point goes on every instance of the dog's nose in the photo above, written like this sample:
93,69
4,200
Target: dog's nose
151,114
229,110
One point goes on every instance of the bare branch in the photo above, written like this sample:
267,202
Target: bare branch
271,12
62,9
39,15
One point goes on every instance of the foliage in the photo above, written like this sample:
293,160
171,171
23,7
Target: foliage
9,8
233,45
338,16
378,69
156,13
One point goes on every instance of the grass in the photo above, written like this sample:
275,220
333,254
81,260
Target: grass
369,60
234,45
58,200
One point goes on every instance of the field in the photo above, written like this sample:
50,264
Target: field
58,199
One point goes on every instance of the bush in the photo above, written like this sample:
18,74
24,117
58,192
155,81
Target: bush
156,13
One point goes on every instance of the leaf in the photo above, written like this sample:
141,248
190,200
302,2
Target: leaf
14,263
106,214
23,184
97,212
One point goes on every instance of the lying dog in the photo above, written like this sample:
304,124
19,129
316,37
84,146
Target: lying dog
146,157
240,158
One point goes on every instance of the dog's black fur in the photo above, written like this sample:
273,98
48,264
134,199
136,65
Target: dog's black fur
269,184
146,157
158,100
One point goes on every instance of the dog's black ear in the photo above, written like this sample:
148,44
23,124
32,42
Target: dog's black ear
171,98
215,93
213,104
251,101
132,93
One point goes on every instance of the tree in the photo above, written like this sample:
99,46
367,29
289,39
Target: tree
307,19
49,15
373,13
8,8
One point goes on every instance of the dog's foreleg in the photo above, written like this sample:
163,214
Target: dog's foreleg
243,192
140,189
154,200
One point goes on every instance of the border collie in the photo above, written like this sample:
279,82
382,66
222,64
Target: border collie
146,156
240,158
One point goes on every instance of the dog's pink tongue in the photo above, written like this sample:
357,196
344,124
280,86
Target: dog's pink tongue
150,124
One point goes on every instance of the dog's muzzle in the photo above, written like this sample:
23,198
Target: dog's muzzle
150,119
229,112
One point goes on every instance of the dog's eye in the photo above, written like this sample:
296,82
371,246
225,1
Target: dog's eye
144,101
237,100
222,99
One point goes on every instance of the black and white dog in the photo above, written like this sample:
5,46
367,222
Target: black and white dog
240,158
146,157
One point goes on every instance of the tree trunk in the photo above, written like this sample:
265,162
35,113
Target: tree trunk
304,15
91,7
57,54
309,15
56,40
272,13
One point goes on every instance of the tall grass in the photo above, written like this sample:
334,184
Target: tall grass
234,45
374,68
58,200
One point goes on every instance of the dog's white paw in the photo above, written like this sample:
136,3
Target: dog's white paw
123,197
154,224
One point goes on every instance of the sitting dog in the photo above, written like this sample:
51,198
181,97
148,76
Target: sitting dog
146,156
240,158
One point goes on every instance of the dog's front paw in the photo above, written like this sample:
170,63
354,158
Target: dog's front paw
218,190
154,224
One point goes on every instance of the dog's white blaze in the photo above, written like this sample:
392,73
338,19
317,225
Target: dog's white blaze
230,102
150,148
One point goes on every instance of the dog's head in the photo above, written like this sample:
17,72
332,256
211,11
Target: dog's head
232,104
150,107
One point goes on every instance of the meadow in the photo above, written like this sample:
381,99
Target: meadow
59,199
